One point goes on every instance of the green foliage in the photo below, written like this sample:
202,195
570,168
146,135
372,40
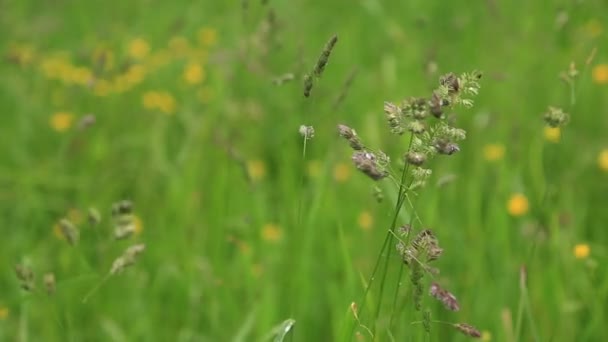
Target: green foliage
191,111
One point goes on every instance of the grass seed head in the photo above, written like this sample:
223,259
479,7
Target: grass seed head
448,299
69,231
351,136
324,58
467,329
367,163
49,283
25,275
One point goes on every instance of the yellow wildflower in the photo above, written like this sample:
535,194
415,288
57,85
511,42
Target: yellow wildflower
3,313
61,121
493,152
518,205
79,75
194,73
486,336
135,74
207,36
256,169
582,251
552,134
600,74
365,220
313,168
602,160
342,172
139,48
160,100
271,232
138,225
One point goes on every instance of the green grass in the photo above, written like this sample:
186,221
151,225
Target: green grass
209,273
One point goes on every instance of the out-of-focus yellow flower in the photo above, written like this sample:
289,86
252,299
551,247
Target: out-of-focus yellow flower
552,134
139,48
79,75
61,121
194,73
518,205
205,94
160,100
493,152
138,225
135,74
342,172
207,36
602,160
272,233
486,336
582,251
593,28
600,74
3,313
256,169
365,220
56,67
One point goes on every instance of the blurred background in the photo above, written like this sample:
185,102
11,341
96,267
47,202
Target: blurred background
191,111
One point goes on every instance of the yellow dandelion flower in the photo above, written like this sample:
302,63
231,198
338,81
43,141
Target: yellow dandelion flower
205,94
313,168
207,36
553,134
79,75
518,205
3,313
61,121
493,152
256,169
138,225
150,99
135,74
167,103
271,233
139,48
594,28
194,73
600,74
602,160
365,220
342,172
582,251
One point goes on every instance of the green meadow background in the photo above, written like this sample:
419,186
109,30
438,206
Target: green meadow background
178,106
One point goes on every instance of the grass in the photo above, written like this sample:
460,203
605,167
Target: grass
243,231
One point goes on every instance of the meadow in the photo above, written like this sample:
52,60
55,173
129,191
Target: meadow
271,171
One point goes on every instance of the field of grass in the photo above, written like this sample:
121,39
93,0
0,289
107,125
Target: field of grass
177,124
